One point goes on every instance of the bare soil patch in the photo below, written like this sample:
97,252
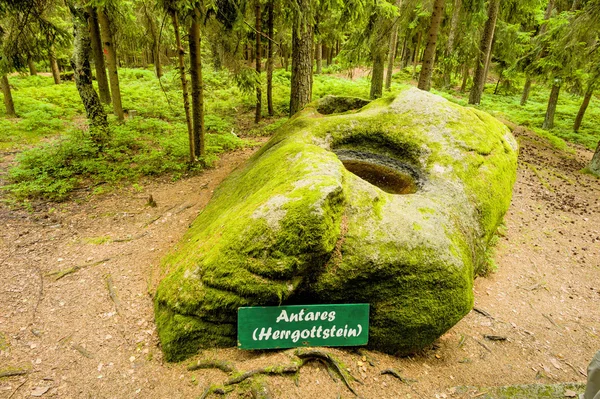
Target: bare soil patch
91,332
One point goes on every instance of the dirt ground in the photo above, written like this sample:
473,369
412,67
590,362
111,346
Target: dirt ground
91,332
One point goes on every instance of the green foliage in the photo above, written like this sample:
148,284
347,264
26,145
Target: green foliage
531,115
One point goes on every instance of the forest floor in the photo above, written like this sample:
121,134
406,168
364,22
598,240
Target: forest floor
71,336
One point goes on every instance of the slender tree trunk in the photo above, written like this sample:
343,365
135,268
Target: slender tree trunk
582,109
463,86
432,36
594,166
526,90
9,105
319,57
489,61
80,62
96,43
392,50
31,65
576,5
155,45
184,85
111,61
258,113
528,79
302,41
377,74
485,49
447,74
551,110
270,58
416,54
53,65
197,89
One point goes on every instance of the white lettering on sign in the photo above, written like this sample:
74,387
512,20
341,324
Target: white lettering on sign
266,334
309,316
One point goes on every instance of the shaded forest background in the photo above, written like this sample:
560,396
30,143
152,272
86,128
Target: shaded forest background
106,91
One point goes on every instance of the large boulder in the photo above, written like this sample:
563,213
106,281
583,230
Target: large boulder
393,204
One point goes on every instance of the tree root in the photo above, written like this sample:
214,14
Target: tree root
224,366
113,293
396,374
12,373
317,354
259,389
58,274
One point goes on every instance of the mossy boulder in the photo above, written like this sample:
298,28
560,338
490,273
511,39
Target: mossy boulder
393,205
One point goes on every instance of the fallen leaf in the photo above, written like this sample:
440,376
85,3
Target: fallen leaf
570,394
39,391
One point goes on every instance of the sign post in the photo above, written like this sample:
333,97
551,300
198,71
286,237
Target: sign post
273,327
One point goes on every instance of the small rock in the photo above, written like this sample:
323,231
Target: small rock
39,391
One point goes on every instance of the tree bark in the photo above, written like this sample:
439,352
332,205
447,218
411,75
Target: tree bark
551,110
96,43
9,105
576,5
80,62
53,65
270,58
463,86
582,109
319,57
155,45
416,53
432,36
111,61
526,91
377,74
544,28
392,51
31,65
184,86
485,49
197,89
302,41
594,166
447,75
258,111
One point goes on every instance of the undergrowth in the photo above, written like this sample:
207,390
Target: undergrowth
154,142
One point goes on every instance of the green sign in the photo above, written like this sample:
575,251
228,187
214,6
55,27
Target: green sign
272,327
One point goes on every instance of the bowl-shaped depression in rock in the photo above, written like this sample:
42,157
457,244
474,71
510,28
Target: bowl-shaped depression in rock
393,205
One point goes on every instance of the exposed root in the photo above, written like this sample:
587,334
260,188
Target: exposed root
58,274
224,366
12,373
317,354
395,373
113,293
260,390
277,370
130,238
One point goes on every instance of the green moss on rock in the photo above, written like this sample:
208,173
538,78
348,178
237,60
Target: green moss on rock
294,226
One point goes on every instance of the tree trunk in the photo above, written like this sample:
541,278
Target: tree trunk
9,105
53,65
489,61
270,58
111,61
432,36
551,110
319,57
155,44
80,62
184,86
416,54
302,40
197,90
485,49
463,86
96,43
258,112
528,80
392,51
31,65
447,77
594,166
526,91
582,109
576,5
377,74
